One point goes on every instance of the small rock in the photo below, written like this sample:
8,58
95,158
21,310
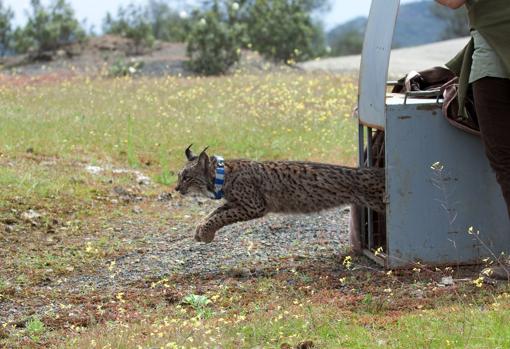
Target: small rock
447,281
142,179
120,191
30,215
418,293
93,169
137,210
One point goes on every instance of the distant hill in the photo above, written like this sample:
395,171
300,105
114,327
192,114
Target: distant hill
357,24
416,25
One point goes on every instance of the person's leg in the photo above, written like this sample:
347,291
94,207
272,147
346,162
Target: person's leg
492,103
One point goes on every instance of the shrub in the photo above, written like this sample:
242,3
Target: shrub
200,304
132,22
214,45
122,68
48,28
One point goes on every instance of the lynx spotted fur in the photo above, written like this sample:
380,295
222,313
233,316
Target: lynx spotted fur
253,189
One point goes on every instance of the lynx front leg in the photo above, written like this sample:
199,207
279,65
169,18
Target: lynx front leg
225,215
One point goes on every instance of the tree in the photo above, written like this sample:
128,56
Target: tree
283,30
167,24
456,21
48,28
6,16
132,22
145,24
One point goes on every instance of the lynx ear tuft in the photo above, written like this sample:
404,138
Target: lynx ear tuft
203,159
189,154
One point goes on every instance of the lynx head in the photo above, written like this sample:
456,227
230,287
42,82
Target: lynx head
194,178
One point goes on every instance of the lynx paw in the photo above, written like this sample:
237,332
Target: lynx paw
202,235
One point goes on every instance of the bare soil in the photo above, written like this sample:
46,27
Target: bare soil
98,55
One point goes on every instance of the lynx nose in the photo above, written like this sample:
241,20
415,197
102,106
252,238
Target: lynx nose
180,190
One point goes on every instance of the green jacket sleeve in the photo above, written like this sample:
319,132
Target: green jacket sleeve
491,18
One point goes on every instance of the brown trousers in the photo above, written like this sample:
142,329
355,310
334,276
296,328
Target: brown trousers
492,103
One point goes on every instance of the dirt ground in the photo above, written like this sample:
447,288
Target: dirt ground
98,56
140,245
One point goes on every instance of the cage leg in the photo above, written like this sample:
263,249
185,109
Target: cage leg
361,162
370,213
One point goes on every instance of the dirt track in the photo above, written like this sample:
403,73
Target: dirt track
402,60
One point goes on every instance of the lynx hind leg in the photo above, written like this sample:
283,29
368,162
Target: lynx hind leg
223,216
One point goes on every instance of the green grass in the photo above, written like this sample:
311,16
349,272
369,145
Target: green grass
147,124
50,132
452,328
35,328
128,121
276,318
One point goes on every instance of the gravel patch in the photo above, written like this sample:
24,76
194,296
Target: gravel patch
258,248
239,250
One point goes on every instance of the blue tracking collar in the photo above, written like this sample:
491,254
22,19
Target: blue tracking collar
219,178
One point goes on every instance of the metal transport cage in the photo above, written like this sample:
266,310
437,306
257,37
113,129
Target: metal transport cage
438,180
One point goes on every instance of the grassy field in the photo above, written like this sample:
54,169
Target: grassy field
58,220
138,121
147,124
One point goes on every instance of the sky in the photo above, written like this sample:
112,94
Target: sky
95,10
